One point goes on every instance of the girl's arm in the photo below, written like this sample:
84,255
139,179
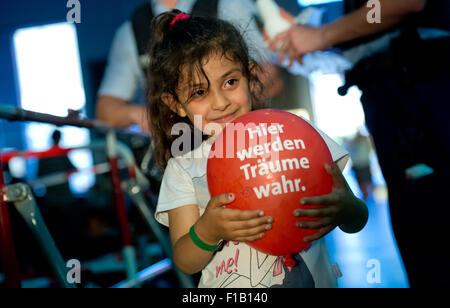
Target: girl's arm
186,255
216,224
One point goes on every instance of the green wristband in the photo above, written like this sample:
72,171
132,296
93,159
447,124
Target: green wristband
199,243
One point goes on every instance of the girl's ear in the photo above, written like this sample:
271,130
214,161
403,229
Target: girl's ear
170,101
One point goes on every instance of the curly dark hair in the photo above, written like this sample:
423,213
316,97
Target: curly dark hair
186,45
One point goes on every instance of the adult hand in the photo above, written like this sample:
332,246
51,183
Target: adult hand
117,112
138,114
297,41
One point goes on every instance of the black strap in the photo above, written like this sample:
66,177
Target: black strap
206,8
140,20
435,15
352,5
143,15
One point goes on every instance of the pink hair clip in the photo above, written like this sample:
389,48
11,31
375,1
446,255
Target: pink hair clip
180,16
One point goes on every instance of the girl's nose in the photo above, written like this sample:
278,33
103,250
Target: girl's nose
220,102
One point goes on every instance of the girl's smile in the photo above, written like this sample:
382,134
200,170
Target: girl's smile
226,118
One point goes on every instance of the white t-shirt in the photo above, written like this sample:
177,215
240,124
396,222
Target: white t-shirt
237,265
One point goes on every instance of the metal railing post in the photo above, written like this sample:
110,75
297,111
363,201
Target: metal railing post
119,199
20,194
7,248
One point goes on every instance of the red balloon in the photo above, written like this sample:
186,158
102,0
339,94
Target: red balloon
271,159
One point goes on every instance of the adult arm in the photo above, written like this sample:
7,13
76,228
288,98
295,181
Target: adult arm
118,112
355,25
121,81
301,39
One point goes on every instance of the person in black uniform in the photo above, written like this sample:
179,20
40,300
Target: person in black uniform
405,100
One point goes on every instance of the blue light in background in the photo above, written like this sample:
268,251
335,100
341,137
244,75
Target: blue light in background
50,81
315,2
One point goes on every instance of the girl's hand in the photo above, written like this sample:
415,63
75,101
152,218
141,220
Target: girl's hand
341,209
221,223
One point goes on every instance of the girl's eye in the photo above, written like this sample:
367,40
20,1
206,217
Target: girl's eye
198,93
231,82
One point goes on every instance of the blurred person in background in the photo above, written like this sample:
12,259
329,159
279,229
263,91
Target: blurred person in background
400,54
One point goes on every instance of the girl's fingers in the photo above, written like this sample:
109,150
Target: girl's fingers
221,200
251,232
252,223
322,232
316,224
329,199
317,212
240,215
250,238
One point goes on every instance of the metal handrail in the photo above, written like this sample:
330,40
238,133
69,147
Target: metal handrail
114,150
13,113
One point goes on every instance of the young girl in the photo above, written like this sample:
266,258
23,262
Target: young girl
201,74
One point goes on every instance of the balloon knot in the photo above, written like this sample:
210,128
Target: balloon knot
289,262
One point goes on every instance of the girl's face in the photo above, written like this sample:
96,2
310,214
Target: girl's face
227,97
